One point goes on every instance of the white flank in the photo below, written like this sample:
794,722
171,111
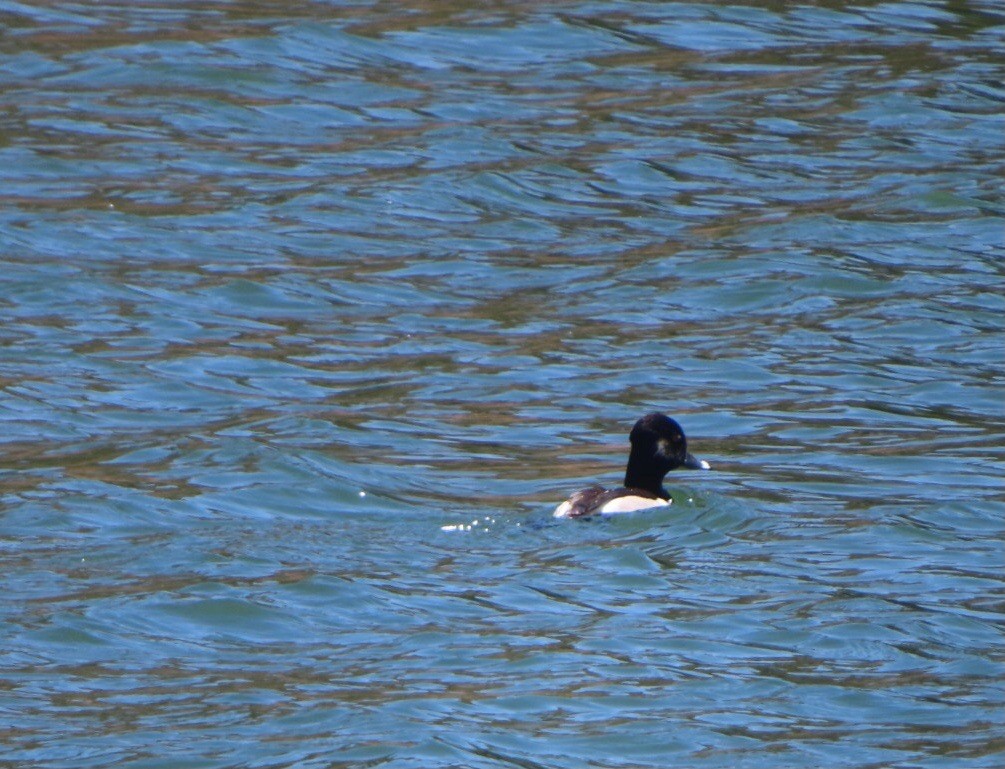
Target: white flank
631,504
617,505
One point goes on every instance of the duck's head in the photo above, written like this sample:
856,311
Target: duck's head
661,439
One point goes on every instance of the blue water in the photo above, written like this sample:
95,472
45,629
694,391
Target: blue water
311,313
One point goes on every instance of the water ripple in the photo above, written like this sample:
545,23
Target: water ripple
311,314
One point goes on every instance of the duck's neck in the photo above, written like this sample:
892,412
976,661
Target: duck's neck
636,478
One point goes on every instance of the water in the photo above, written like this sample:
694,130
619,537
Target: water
312,312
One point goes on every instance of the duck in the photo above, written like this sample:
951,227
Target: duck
658,446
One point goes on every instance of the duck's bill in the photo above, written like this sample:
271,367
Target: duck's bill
693,463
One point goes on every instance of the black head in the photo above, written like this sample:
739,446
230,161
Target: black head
658,446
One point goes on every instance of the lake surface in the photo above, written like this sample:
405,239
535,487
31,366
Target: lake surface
311,312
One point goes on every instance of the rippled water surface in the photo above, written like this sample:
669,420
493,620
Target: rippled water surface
311,312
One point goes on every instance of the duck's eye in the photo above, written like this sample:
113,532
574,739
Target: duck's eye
668,447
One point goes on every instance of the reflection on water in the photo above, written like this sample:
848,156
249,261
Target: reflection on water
311,314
